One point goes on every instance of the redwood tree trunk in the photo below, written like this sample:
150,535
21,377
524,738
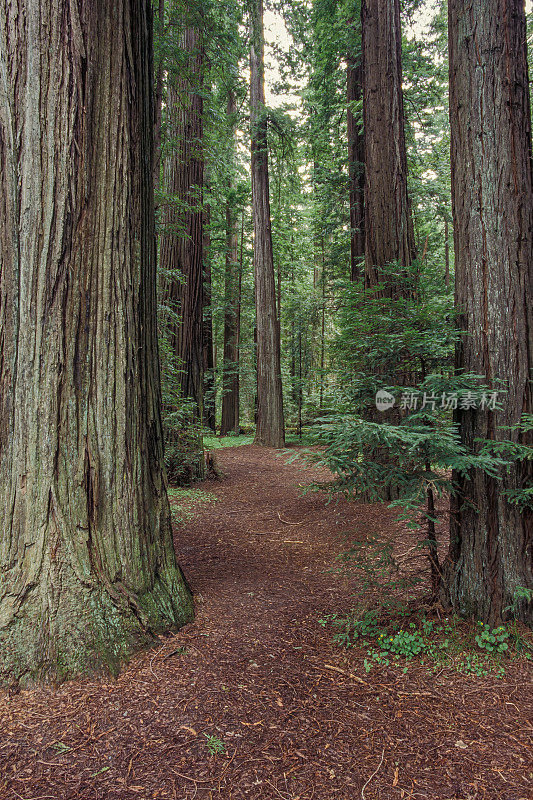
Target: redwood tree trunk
389,233
88,570
209,392
356,168
270,423
492,198
158,93
230,367
182,239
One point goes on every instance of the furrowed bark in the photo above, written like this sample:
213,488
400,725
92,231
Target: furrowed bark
207,331
232,300
490,554
270,430
389,232
356,167
182,239
87,566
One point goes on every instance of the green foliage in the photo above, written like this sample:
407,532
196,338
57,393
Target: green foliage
185,502
231,440
450,642
403,643
492,640
215,746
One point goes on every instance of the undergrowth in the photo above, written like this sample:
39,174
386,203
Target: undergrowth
398,639
185,502
395,632
231,440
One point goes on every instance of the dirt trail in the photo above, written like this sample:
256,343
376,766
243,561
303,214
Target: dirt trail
261,675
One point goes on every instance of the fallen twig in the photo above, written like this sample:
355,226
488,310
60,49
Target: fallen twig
373,775
286,522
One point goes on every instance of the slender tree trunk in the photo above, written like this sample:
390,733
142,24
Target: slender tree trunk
182,239
230,368
389,233
492,200
446,254
300,381
322,342
158,104
270,430
86,556
209,392
356,168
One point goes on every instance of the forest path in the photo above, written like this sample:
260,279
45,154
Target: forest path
299,718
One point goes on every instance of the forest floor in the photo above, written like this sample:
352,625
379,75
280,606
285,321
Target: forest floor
257,676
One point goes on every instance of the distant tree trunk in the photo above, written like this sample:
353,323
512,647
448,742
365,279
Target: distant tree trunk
492,200
230,368
182,239
158,104
322,342
208,352
446,254
270,430
86,556
389,233
356,168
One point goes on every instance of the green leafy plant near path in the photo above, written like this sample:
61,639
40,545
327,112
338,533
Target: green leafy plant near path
474,649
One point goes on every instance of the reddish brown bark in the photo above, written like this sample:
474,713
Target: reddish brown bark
158,97
88,571
270,422
389,233
208,350
492,197
356,169
232,304
182,218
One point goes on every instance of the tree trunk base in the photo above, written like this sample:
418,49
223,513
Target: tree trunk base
92,630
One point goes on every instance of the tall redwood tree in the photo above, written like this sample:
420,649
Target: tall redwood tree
270,429
232,296
87,566
356,166
389,233
491,540
182,258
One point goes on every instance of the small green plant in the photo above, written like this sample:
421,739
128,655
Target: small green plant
492,640
473,664
215,746
352,628
404,643
446,642
61,747
522,593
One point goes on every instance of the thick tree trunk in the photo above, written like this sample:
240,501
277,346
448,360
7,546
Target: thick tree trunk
356,168
389,233
182,239
232,300
88,570
270,423
492,197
